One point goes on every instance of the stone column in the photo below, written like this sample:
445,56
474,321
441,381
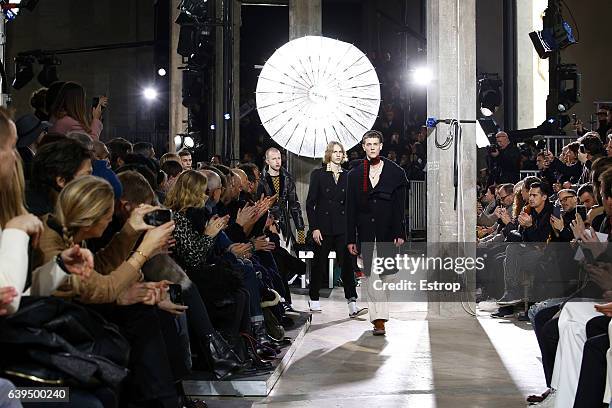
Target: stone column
451,56
304,19
178,113
236,23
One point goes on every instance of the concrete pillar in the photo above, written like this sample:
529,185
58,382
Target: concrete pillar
451,56
532,72
219,85
236,23
178,113
304,19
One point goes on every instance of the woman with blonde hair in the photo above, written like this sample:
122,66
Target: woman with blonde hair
18,228
325,207
195,234
83,211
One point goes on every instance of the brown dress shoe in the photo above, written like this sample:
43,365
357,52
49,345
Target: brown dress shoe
379,327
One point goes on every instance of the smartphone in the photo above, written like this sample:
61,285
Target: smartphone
556,211
574,118
582,149
176,294
158,217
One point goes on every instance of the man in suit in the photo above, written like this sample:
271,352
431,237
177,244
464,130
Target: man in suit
325,207
375,202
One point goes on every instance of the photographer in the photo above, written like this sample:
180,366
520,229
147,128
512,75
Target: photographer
505,160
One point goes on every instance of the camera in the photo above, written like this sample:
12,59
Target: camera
176,294
158,217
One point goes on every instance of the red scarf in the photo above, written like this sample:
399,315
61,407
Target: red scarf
366,170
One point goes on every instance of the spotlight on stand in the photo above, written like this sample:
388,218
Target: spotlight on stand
48,73
24,72
550,40
185,140
570,86
489,94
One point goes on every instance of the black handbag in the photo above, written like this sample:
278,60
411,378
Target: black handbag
53,341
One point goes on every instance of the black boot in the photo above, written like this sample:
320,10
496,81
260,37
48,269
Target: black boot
222,360
259,333
261,364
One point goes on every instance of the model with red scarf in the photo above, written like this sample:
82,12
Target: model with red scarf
375,204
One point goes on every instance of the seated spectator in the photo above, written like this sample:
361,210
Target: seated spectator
486,206
38,103
54,166
593,149
30,131
70,112
169,156
119,148
172,169
562,231
145,149
534,222
186,161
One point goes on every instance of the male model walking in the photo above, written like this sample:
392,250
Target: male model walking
375,206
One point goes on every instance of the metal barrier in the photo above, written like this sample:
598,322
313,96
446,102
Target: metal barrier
555,143
417,206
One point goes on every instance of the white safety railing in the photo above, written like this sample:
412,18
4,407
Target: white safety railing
529,173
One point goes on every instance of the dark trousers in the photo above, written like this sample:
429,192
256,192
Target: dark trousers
197,315
320,266
547,332
592,382
151,376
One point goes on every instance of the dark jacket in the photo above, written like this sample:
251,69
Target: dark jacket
566,235
507,165
540,229
325,204
287,204
569,173
379,213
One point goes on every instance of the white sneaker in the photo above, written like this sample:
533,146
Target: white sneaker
315,306
354,311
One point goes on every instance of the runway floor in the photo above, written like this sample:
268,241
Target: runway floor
422,362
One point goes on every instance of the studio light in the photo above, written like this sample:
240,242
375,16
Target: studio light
149,93
161,72
569,84
48,73
24,72
185,140
188,142
422,76
489,94
550,40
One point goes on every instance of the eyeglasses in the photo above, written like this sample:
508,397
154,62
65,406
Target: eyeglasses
564,199
504,197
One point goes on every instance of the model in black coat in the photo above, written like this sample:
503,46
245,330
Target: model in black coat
326,210
375,203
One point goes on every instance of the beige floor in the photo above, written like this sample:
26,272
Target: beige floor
422,363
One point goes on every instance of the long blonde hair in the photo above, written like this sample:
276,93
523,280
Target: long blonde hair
188,191
12,195
82,203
